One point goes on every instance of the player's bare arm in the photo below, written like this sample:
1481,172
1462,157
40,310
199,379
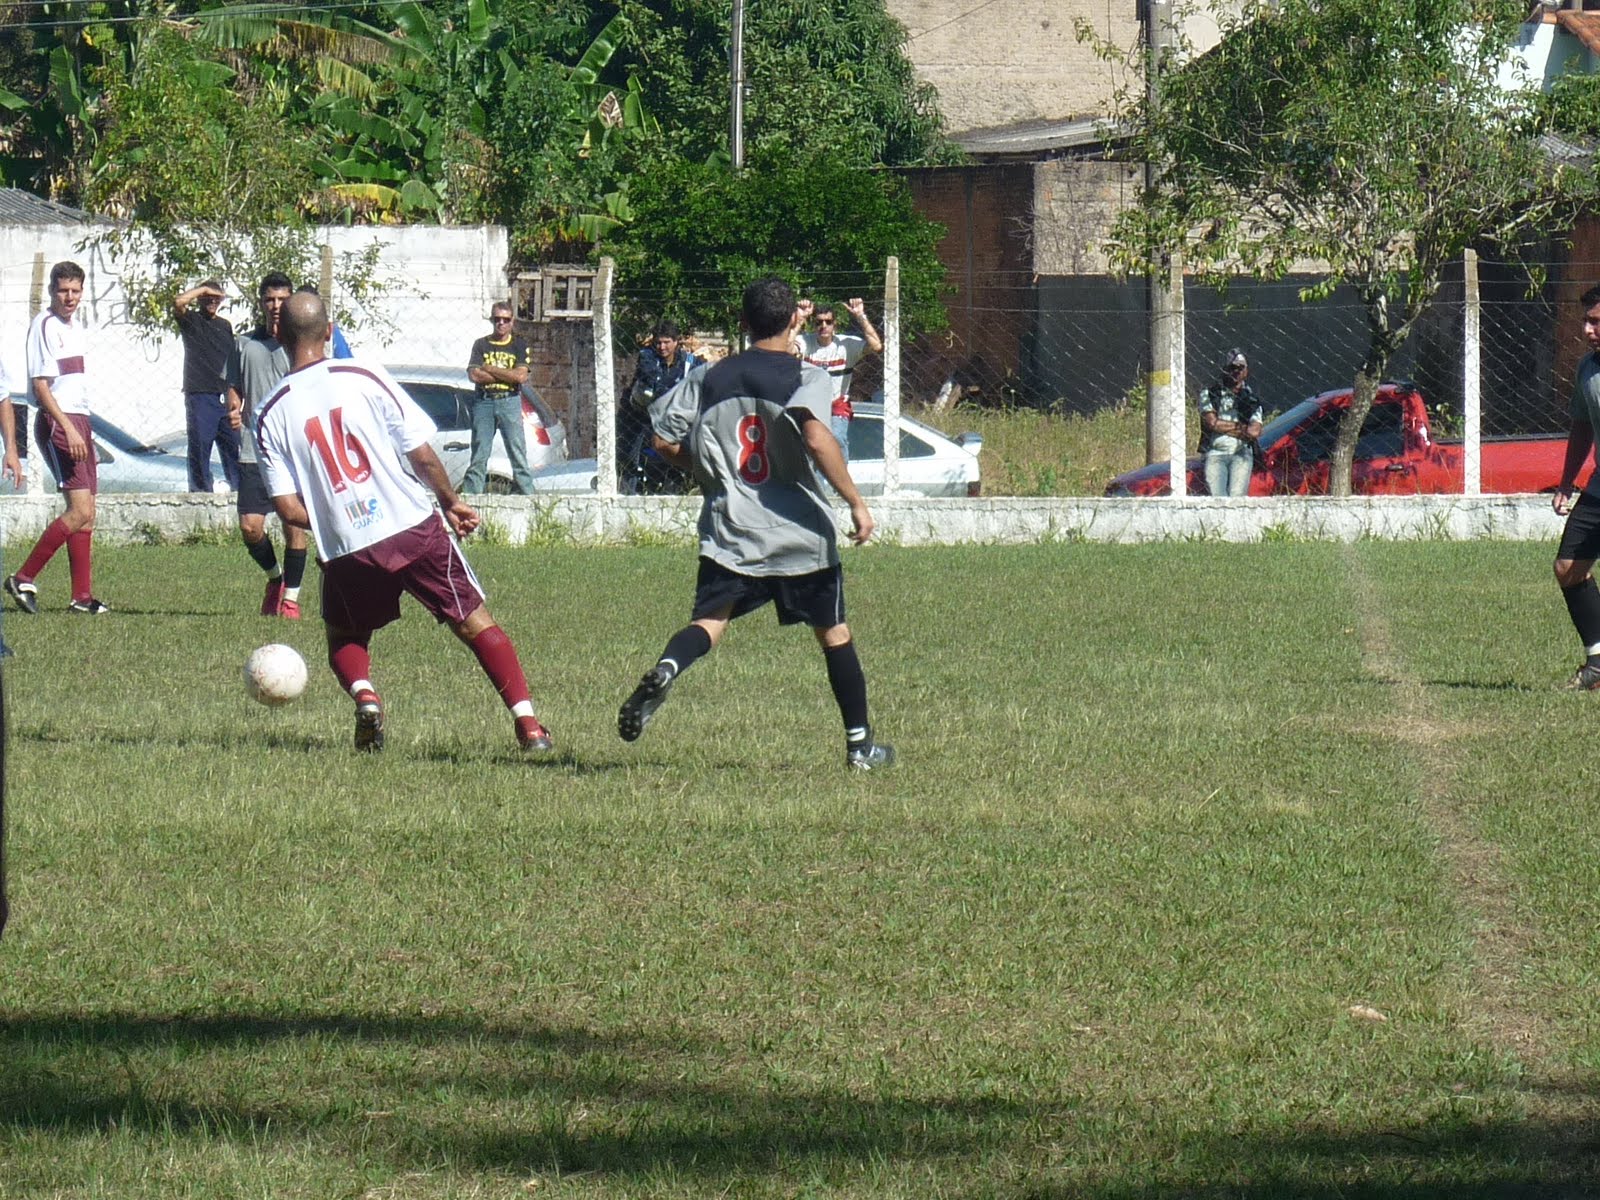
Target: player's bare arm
181,302
858,310
1580,440
235,409
463,518
76,446
292,511
672,452
12,465
824,450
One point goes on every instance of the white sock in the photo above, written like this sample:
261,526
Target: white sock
361,685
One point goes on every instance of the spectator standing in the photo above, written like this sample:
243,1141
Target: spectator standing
370,503
660,367
752,429
207,342
56,357
499,366
1580,537
837,354
256,365
1230,422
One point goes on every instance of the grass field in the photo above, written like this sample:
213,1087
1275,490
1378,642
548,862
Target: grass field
1209,871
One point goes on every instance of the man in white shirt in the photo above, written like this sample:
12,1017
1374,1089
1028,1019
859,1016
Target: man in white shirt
342,449
61,430
838,354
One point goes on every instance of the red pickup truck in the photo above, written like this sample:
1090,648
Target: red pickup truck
1396,454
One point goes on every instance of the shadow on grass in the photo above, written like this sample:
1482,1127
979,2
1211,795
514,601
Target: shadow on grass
412,1092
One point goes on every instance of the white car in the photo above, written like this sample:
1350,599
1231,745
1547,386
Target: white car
446,395
931,464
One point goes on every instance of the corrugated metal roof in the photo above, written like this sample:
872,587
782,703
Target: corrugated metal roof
1036,138
18,207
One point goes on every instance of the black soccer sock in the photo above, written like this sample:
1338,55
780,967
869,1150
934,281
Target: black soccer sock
266,557
688,644
1583,604
849,683
294,567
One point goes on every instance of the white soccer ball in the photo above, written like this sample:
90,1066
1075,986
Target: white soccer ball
275,674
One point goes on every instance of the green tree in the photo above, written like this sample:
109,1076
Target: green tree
1370,136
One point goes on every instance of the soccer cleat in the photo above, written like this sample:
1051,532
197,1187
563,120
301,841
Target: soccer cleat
1585,679
869,756
23,592
369,722
272,602
532,736
91,606
289,609
638,708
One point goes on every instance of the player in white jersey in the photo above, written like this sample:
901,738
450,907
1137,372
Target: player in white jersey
61,430
342,448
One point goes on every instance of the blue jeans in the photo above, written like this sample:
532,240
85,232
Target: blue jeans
841,431
1229,474
207,424
505,414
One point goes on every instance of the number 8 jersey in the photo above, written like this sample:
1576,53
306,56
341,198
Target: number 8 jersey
740,421
337,432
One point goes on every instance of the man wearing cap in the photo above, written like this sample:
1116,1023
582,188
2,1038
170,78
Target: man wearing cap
207,342
1230,422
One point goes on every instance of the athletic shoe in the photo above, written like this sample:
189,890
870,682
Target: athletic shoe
23,592
869,756
289,609
369,722
91,606
638,708
1585,679
272,603
532,736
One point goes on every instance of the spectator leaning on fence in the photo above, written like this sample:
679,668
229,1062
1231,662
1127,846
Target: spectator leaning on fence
837,354
56,353
1230,422
207,341
499,366
659,368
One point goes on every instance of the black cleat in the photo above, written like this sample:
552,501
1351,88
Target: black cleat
869,756
23,592
90,606
638,708
1585,679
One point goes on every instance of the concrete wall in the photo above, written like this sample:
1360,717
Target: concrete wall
909,522
443,281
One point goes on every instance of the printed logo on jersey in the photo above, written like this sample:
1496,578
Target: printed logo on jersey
363,512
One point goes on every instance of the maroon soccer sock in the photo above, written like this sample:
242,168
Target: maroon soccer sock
80,558
350,659
52,539
498,658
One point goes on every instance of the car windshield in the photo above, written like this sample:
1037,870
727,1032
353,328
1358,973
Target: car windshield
866,440
1380,432
120,439
440,401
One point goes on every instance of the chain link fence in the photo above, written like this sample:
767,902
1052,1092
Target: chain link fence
1071,347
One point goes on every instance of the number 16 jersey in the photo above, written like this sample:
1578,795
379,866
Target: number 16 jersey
740,420
337,432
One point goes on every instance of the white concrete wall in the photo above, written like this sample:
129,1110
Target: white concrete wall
908,522
443,280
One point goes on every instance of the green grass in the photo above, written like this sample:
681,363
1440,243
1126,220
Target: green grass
1164,815
1027,452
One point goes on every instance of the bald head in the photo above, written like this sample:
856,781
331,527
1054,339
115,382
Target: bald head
303,326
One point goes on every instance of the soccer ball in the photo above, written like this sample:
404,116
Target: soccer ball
275,674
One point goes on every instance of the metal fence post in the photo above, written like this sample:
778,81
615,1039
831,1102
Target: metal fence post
1471,378
605,391
1174,369
891,377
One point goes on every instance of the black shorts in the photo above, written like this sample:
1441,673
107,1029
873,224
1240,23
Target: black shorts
1580,539
816,599
252,495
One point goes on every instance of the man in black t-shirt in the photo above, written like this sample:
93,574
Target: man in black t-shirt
207,341
499,366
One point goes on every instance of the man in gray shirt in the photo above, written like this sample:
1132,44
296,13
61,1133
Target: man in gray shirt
254,368
754,430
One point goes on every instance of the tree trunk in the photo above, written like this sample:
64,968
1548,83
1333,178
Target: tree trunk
1368,377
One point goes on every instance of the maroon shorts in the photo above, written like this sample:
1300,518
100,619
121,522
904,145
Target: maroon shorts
361,591
51,439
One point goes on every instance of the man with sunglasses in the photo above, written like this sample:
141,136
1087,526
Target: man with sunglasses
837,354
1230,422
207,343
499,366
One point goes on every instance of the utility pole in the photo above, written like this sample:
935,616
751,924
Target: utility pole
1160,432
736,71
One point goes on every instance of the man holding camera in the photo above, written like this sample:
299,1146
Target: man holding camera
1230,422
